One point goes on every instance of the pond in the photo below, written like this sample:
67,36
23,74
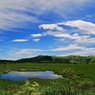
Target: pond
19,75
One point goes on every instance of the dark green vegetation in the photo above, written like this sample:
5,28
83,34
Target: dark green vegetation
55,59
78,76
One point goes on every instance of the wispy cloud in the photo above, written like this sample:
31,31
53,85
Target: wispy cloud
83,52
88,27
79,37
25,51
19,40
36,40
51,27
14,14
69,47
36,35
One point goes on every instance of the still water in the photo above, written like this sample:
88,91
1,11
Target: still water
17,75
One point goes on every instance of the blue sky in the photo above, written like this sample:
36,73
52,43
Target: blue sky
46,27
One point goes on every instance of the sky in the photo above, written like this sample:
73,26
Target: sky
29,28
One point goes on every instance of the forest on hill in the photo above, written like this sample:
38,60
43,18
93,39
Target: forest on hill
55,59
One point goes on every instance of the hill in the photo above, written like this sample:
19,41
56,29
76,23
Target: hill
55,59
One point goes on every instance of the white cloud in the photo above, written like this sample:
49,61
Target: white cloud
53,30
18,52
19,40
83,52
62,35
56,34
13,13
15,20
85,40
69,47
60,7
88,27
36,35
80,38
51,27
77,38
36,40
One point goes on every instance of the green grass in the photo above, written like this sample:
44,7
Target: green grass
88,70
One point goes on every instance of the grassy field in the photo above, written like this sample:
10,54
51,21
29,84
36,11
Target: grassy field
87,69
88,72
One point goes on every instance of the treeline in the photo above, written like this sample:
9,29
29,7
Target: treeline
64,59
38,59
6,61
75,59
55,59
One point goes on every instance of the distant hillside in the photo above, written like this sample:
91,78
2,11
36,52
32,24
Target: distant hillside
38,59
55,59
6,61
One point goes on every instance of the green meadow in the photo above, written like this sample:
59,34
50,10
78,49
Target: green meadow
87,69
77,79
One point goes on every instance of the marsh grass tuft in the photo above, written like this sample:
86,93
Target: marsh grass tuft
29,89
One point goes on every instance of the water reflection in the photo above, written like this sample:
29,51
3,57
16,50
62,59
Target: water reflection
16,75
